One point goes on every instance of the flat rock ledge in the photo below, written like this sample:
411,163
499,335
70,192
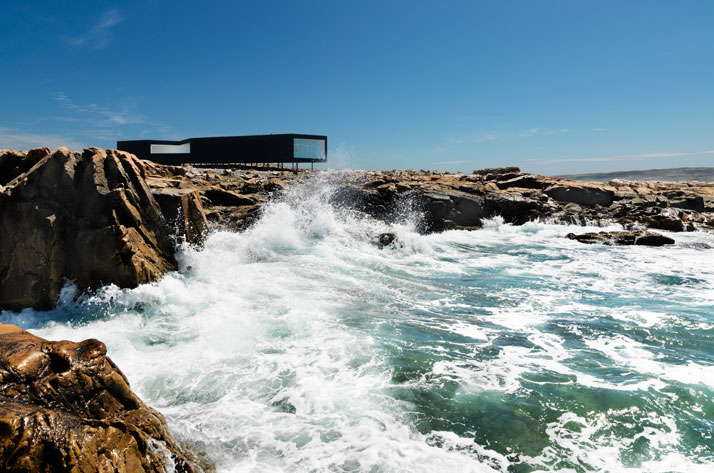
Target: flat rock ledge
67,408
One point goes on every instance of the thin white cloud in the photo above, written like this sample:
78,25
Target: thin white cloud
11,138
123,117
599,129
629,157
100,123
474,138
99,36
485,137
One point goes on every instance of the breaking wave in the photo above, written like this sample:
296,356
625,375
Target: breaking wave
300,345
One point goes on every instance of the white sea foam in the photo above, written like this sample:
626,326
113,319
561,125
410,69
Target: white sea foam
272,349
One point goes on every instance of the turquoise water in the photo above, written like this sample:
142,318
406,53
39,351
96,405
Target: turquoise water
299,345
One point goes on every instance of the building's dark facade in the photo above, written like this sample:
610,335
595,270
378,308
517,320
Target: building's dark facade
227,150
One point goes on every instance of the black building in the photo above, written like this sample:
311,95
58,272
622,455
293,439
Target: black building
232,150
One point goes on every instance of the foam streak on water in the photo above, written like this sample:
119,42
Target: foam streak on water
298,345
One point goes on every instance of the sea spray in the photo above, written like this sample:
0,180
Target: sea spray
300,345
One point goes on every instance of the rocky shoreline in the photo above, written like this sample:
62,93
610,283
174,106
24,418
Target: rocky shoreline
105,217
232,198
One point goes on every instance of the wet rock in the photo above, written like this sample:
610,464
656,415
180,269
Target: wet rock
363,199
225,198
66,407
653,239
453,210
664,222
586,195
233,218
622,238
183,210
688,202
515,208
386,239
86,217
465,200
274,185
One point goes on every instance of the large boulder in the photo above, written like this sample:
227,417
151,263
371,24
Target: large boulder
514,207
85,217
66,407
585,194
452,209
664,221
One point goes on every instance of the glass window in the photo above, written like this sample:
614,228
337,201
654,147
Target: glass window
171,149
308,149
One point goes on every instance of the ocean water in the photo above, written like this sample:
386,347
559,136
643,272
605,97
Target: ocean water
300,346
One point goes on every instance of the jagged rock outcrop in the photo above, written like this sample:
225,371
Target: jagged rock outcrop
453,209
183,210
66,407
85,217
582,194
14,163
622,238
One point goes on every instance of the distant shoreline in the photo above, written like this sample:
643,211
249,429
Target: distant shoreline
670,174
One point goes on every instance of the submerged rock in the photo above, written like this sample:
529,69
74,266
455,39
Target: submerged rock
66,407
86,217
622,238
386,239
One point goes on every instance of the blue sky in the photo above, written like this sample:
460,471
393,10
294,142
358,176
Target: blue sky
552,86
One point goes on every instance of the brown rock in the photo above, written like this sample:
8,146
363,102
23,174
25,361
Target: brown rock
225,198
526,181
66,407
463,201
622,238
664,222
14,163
498,171
88,217
183,210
